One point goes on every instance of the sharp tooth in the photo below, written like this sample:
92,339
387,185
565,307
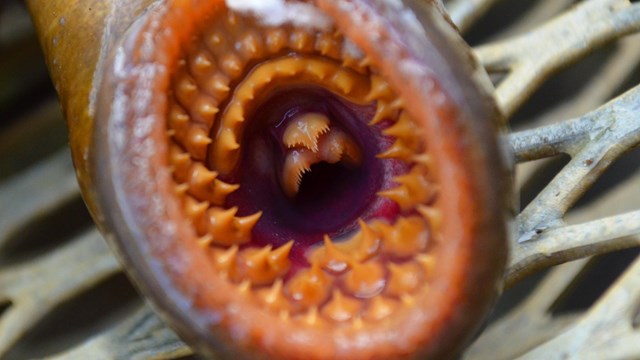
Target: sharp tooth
290,67
305,130
427,261
245,287
244,225
404,129
231,65
186,90
181,189
319,69
227,140
398,150
205,110
341,308
232,19
432,215
196,210
384,111
309,287
217,85
403,278
215,40
200,181
380,308
274,298
296,163
225,260
414,189
222,228
379,89
279,258
197,142
365,243
220,191
425,160
343,81
407,237
178,117
180,161
365,280
311,317
201,63
276,40
205,240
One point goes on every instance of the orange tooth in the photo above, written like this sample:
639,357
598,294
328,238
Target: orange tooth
365,62
404,129
181,189
200,181
383,111
343,81
296,164
178,118
231,65
250,45
379,308
205,240
403,278
414,189
196,142
330,257
341,308
274,298
319,69
220,191
400,195
365,280
399,150
425,160
244,225
309,287
305,130
215,40
432,215
336,146
379,89
217,85
407,237
196,210
311,317
279,258
256,266
225,260
245,93
201,63
245,287
235,114
221,226
232,19
185,90
205,108
364,244
290,67
427,261
301,40
276,39
180,161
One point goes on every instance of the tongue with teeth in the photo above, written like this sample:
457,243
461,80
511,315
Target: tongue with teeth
310,138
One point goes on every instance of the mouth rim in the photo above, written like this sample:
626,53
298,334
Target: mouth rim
137,225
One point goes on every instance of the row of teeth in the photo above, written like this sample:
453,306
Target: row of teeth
347,281
355,266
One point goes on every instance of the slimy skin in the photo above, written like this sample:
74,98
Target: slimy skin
328,189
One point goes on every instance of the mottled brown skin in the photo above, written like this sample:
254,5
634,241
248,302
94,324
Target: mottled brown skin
157,245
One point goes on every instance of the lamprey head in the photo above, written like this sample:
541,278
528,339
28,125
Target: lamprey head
313,181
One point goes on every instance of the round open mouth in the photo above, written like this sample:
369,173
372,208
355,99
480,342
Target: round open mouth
302,175
296,204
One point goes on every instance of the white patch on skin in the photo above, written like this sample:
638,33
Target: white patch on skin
278,12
